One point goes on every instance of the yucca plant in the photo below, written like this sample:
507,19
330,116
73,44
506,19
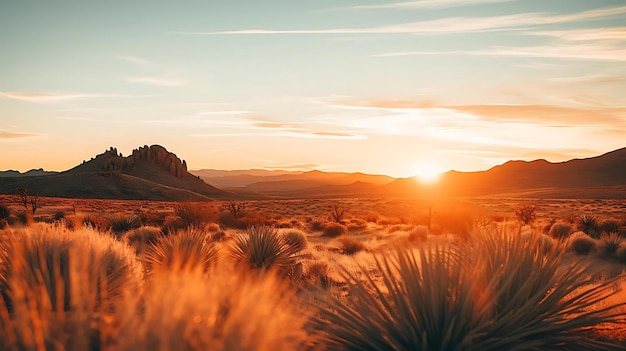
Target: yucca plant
122,224
610,242
263,248
186,250
497,293
589,225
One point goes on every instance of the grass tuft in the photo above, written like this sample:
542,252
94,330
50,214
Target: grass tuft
263,248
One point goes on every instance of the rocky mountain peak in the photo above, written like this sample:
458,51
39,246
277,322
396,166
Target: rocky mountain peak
154,154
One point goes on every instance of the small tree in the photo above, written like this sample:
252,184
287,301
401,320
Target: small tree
34,204
526,213
236,208
337,213
23,192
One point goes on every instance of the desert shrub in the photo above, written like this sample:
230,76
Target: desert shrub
98,223
581,243
194,214
25,217
526,213
609,226
496,293
58,215
318,270
188,311
3,223
141,237
263,248
610,243
333,230
589,225
184,251
419,233
356,225
121,224
4,212
560,230
295,238
212,227
317,226
59,290
350,245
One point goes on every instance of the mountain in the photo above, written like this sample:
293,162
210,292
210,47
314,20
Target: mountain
596,177
31,173
149,173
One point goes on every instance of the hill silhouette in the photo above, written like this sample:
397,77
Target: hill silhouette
149,173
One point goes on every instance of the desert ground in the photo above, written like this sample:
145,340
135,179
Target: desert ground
313,274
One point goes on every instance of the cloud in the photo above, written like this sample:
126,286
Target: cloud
60,97
135,60
14,135
427,4
302,131
442,25
612,33
157,81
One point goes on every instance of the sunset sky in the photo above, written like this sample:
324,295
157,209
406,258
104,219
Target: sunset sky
336,85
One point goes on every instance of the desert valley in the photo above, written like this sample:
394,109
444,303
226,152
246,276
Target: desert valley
164,251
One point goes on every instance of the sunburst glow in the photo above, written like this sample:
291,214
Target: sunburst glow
427,171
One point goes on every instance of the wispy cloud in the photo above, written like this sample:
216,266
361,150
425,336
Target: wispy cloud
157,81
60,97
135,60
302,131
426,4
15,135
611,33
443,25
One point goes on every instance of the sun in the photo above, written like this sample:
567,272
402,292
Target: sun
427,172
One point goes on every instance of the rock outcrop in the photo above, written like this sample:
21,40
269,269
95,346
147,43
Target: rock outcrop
155,154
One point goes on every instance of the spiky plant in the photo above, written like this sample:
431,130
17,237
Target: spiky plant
498,293
185,250
263,248
122,224
589,225
581,243
610,243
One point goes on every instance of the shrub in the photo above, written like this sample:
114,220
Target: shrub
560,230
581,243
189,311
317,226
419,233
496,293
609,226
25,217
97,223
589,225
58,290
296,238
526,213
4,212
350,245
184,251
58,215
141,237
610,243
334,230
122,224
621,252
3,223
194,214
263,248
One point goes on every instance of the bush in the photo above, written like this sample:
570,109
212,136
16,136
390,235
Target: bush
140,238
496,293
184,251
25,217
221,312
589,225
59,215
526,213
194,214
609,226
350,245
621,252
317,226
4,212
3,224
560,230
296,238
122,224
60,289
334,230
610,243
581,243
419,234
263,248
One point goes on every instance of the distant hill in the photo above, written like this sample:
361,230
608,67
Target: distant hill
149,173
31,173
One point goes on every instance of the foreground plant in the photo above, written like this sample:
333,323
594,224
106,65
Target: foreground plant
264,248
186,250
496,292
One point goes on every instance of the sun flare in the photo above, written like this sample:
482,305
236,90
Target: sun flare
427,172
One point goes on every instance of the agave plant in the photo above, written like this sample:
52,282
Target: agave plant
186,250
263,248
497,293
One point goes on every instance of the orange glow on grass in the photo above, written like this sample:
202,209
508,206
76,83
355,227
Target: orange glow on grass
427,172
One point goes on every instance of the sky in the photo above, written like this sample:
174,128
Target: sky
385,87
